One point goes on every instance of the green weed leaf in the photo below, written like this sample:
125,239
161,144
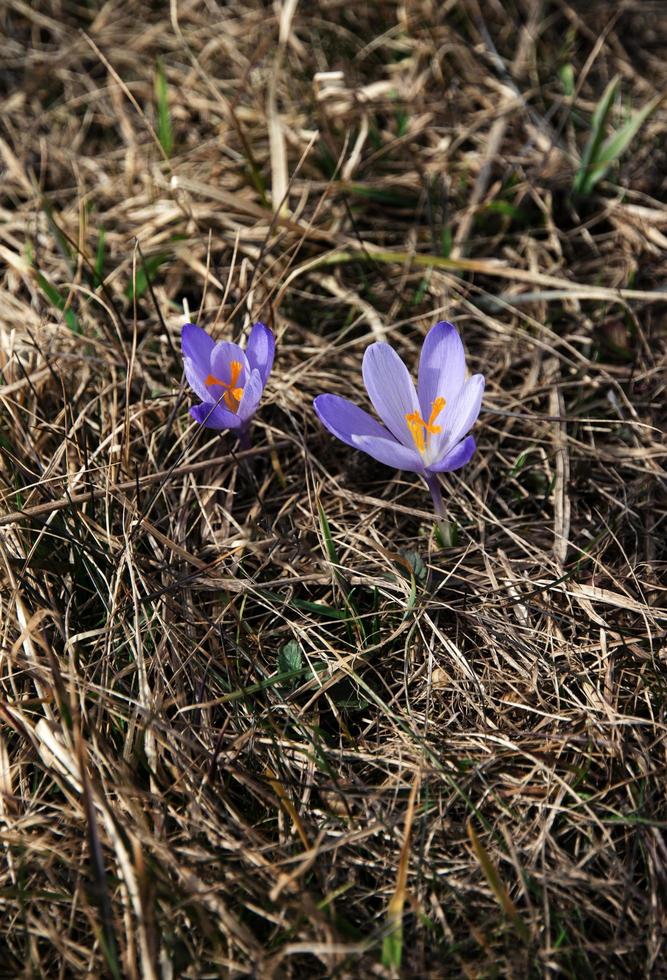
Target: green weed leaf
290,658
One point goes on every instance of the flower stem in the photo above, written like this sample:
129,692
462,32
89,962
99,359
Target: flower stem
244,437
446,529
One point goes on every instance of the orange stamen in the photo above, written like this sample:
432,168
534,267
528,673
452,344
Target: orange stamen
233,394
415,423
421,430
436,407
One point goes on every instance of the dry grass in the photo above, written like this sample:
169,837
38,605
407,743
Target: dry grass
474,747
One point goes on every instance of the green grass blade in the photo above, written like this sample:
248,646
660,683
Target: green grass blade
165,131
382,195
144,275
617,143
497,885
329,542
60,239
566,75
100,257
56,299
598,124
392,946
332,555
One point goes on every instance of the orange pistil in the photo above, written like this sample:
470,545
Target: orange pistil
233,394
421,430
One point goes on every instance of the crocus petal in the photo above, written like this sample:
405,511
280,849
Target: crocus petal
197,345
196,378
252,392
345,420
391,390
222,356
390,452
260,349
455,458
442,366
462,415
213,416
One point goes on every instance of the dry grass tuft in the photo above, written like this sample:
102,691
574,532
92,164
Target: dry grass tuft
255,720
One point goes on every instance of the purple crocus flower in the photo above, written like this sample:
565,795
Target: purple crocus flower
424,429
229,380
